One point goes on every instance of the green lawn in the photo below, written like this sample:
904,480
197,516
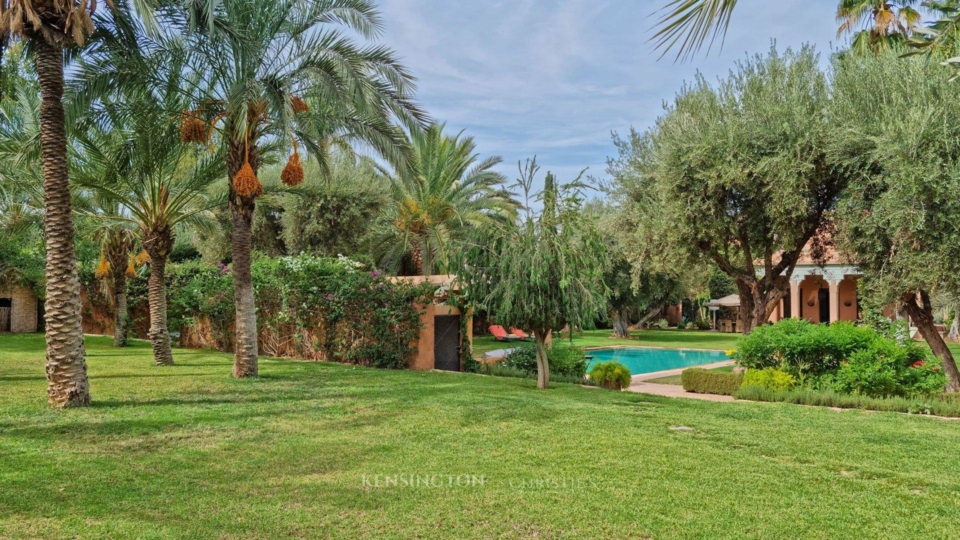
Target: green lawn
187,452
679,339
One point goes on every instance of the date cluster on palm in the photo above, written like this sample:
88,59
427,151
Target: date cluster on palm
103,269
192,128
246,184
292,174
299,105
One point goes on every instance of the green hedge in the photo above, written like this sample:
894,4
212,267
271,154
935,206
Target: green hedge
944,405
702,381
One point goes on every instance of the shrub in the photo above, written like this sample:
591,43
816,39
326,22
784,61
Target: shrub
702,381
691,326
769,378
886,369
809,351
663,324
612,375
565,360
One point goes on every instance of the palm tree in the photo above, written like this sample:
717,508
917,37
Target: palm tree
132,154
687,24
259,60
117,263
940,39
437,198
50,26
884,25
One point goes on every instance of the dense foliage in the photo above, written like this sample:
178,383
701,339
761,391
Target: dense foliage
308,307
842,357
565,360
769,378
331,213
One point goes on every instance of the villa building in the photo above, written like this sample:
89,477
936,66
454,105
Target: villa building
821,291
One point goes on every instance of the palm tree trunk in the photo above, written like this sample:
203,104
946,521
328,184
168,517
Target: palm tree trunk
416,257
66,367
245,355
159,334
120,319
241,209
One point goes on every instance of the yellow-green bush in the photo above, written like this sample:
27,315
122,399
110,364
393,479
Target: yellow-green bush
769,378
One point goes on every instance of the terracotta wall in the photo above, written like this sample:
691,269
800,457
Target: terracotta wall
673,314
848,294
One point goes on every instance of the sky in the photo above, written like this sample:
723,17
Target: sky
554,78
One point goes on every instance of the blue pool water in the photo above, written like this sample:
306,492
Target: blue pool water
644,360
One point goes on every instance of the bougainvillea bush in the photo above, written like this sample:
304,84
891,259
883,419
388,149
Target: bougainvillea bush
307,307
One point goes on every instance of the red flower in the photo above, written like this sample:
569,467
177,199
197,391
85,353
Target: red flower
918,364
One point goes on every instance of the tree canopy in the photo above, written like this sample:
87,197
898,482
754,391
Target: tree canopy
897,136
737,174
544,274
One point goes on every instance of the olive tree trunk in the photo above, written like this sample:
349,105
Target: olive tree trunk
120,318
543,362
66,366
245,361
159,334
650,314
954,334
621,323
755,305
921,311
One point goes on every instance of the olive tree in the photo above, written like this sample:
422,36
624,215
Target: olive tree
543,274
898,137
737,173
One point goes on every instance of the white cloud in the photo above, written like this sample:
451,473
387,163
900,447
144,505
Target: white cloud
554,78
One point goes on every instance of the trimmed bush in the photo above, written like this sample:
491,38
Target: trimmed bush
702,381
769,378
943,405
612,375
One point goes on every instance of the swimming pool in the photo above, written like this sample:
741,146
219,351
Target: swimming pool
648,360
